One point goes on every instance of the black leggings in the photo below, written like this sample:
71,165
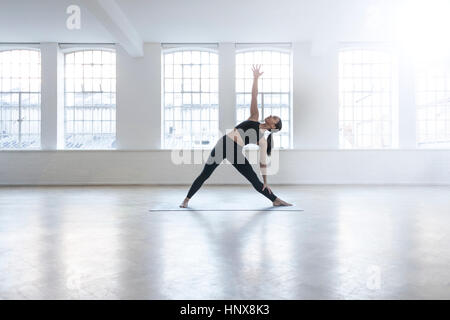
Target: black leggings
227,148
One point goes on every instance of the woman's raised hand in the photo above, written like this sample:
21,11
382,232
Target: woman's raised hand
256,71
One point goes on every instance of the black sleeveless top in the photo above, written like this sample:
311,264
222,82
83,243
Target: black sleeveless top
249,131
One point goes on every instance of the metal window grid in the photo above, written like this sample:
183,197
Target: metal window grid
274,88
432,86
90,99
20,99
190,98
366,111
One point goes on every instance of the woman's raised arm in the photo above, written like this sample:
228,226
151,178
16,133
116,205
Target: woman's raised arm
254,113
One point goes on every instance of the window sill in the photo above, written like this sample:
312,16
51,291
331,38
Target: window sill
208,150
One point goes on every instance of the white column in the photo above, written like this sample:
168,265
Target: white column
52,97
227,95
138,106
315,97
299,51
407,103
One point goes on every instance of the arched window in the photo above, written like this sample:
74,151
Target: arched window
90,99
20,99
433,106
368,115
190,98
274,88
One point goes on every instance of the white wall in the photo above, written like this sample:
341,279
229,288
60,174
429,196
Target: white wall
155,167
315,158
315,98
139,99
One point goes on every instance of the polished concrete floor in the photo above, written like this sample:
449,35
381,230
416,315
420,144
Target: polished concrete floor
101,242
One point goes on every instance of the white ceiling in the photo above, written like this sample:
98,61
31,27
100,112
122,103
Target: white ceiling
45,21
204,20
251,20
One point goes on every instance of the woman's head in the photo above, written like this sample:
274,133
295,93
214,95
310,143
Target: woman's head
274,123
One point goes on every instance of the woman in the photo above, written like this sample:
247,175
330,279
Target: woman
230,147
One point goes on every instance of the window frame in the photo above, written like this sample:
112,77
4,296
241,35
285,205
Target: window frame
421,74
26,47
167,49
382,47
73,50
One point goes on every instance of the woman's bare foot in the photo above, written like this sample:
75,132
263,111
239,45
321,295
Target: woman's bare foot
280,203
185,202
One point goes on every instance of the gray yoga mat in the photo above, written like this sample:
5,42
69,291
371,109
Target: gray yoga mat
174,207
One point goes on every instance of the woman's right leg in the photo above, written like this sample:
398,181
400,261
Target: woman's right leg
204,175
215,158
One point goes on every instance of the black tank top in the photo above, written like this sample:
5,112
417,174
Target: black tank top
249,131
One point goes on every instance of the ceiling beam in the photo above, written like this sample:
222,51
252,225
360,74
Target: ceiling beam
112,17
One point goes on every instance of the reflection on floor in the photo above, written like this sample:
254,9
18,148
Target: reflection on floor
100,242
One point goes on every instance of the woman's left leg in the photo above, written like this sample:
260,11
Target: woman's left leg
247,171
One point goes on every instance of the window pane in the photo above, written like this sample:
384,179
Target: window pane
365,97
90,112
193,123
20,95
432,83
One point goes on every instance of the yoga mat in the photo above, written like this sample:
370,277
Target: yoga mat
173,207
